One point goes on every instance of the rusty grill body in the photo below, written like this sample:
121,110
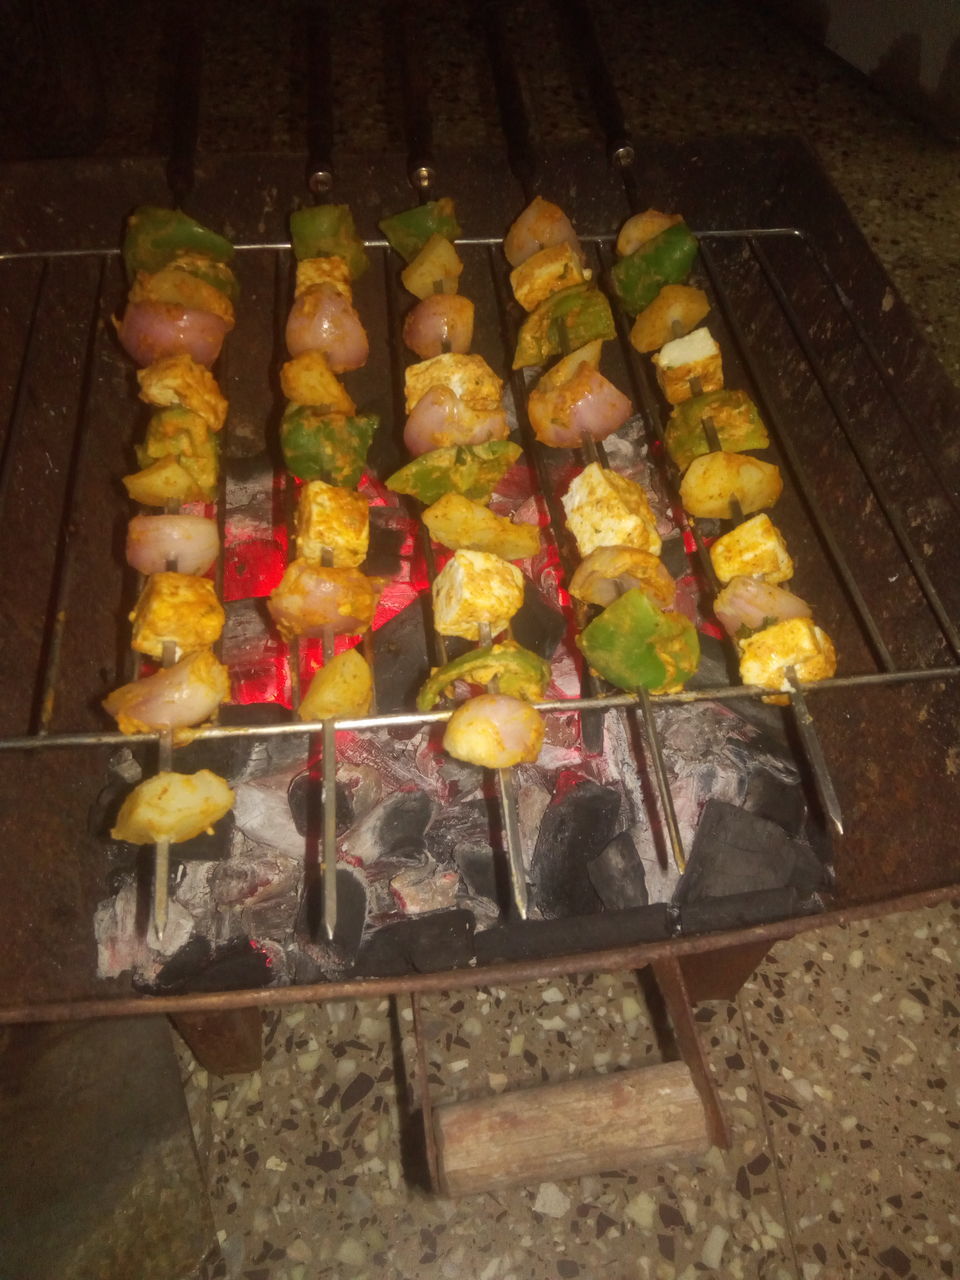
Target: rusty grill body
862,417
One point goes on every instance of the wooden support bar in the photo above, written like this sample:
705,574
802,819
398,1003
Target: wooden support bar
228,1042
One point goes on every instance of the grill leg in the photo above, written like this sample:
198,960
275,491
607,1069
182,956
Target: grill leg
225,1043
719,975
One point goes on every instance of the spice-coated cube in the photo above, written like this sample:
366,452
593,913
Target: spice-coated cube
332,270
177,608
308,379
678,363
475,587
468,376
605,509
180,381
754,549
333,519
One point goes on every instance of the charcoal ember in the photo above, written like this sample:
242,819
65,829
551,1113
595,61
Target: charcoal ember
537,625
255,714
237,965
617,874
674,556
387,537
250,881
539,939
468,822
574,830
305,797
402,664
484,910
430,944
394,830
425,888
741,910
126,937
477,865
313,955
718,667
778,799
191,885
262,814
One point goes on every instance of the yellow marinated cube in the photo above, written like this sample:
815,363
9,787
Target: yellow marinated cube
795,642
173,806
308,379
437,263
553,268
678,363
173,284
332,270
179,381
333,519
343,687
469,376
605,509
475,587
177,608
754,549
163,483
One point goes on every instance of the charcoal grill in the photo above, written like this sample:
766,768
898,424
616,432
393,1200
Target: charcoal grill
863,415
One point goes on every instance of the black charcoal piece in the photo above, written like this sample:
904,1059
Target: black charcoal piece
537,939
674,557
402,663
617,873
718,668
429,944
735,852
477,866
740,910
395,830
316,955
237,965
386,541
537,625
777,800
573,830
255,714
305,796
468,821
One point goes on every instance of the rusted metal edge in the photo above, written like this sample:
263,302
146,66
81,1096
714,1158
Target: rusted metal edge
614,959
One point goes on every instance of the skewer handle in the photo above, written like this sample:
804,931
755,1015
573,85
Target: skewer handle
814,752
185,46
319,98
514,115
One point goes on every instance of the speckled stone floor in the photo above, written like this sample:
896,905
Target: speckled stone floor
839,1062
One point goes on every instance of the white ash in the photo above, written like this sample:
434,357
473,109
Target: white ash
425,888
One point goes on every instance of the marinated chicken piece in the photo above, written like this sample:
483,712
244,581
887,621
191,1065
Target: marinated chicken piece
609,571
605,509
176,697
468,376
333,271
177,608
556,267
694,356
180,382
308,379
715,481
475,587
796,642
494,731
311,597
540,226
460,524
174,807
754,549
342,687
334,519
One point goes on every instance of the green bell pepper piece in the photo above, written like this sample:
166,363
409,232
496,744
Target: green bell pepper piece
474,470
409,231
634,645
568,319
155,236
521,674
735,419
666,259
182,434
328,231
326,446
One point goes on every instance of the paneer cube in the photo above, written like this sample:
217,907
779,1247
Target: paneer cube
177,608
553,268
754,549
469,377
332,270
181,382
605,509
796,642
308,379
334,519
475,587
677,363
173,806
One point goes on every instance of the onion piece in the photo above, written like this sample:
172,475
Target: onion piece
607,572
311,597
495,731
539,226
322,319
185,694
442,322
151,331
586,404
440,418
191,543
753,604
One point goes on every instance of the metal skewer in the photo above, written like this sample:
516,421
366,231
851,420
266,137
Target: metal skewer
161,860
329,742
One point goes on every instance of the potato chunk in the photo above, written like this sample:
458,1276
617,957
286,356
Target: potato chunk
173,806
475,587
714,480
343,687
605,509
437,263
461,524
675,310
755,549
308,379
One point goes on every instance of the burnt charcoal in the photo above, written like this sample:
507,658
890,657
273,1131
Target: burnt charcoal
402,663
395,830
573,831
537,625
237,965
477,866
736,852
777,800
228,757
318,953
674,557
255,714
740,910
468,822
539,939
305,796
442,940
386,540
617,873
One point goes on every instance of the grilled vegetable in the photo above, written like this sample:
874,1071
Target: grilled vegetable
754,549
163,483
191,542
194,282
437,264
177,608
308,379
460,524
665,259
173,806
325,231
342,687
311,597
155,235
641,228
475,587
714,481
609,571
177,436
468,375
566,320
556,267
151,331
678,362
332,519
541,225
442,322
519,673
675,310
605,509
179,382
473,470
635,645
440,418
586,404
409,231
326,446
175,697
734,418
748,604
322,319
796,642
495,732
333,271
